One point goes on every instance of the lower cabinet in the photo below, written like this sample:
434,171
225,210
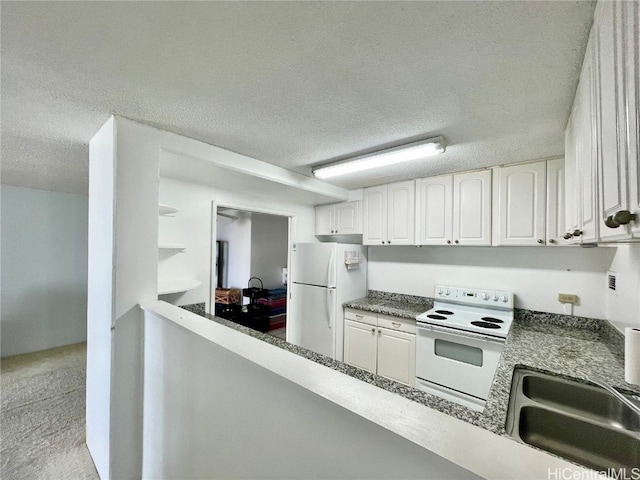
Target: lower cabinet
381,344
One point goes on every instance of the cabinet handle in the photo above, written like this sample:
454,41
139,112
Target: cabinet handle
456,241
623,217
448,242
373,330
552,240
336,231
379,332
383,242
358,316
540,240
397,325
567,236
576,233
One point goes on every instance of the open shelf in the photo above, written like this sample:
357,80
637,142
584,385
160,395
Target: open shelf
176,286
172,246
166,209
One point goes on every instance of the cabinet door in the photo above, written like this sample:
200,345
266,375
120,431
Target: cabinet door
360,345
397,356
347,218
585,149
610,117
631,15
434,210
555,221
374,222
325,220
401,198
472,208
571,178
521,204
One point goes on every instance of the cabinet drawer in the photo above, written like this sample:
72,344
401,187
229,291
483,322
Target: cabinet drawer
394,323
360,316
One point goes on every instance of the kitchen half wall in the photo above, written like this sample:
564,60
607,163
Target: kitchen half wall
535,275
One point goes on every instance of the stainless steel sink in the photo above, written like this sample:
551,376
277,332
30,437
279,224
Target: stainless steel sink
580,422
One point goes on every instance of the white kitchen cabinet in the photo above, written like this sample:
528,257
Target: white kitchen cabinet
555,227
602,168
381,344
571,190
397,355
581,166
434,210
472,208
325,219
631,15
616,34
388,214
519,204
339,219
360,345
454,209
610,116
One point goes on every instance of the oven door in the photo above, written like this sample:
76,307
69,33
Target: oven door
463,361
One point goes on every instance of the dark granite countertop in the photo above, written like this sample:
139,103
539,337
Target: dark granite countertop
574,347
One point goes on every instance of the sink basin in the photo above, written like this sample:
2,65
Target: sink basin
573,420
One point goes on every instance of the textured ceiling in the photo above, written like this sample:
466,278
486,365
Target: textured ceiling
294,84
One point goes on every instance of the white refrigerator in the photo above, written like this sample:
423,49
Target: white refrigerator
322,277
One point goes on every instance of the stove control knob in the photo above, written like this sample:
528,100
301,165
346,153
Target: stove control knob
495,298
505,299
447,292
439,291
485,296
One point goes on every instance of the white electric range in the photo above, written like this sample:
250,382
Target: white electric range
459,343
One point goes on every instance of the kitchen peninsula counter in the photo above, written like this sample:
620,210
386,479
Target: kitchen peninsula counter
576,347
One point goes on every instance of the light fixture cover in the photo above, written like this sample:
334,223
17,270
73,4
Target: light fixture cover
390,156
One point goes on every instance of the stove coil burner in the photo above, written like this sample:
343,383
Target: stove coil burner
492,320
444,312
437,317
478,323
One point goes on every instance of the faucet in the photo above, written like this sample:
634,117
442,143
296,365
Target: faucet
617,394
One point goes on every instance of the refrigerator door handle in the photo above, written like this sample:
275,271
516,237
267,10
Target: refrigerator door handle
330,306
330,270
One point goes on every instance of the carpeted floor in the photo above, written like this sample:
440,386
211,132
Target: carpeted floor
42,416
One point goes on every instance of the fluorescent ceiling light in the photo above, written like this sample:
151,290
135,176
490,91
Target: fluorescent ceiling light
383,158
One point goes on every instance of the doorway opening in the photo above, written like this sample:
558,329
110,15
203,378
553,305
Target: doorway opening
251,268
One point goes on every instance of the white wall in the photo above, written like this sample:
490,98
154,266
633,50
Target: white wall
190,226
623,307
101,257
237,232
43,269
535,275
210,413
123,269
269,248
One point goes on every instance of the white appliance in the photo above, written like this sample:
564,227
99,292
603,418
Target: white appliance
323,276
459,343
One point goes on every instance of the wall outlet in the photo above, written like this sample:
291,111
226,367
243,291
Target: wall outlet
567,298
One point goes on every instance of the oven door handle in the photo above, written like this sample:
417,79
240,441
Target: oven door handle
460,333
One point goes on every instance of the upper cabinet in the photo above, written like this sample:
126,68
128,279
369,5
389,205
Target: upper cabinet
472,208
602,133
631,14
339,219
519,204
529,204
454,209
555,227
434,210
388,214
